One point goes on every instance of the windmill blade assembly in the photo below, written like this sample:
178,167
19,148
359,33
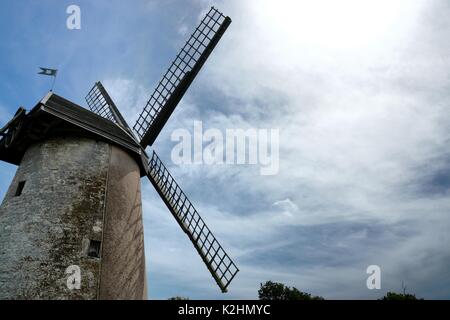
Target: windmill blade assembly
222,268
152,119
180,75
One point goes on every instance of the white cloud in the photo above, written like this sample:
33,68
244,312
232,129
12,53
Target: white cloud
183,30
129,96
359,93
287,206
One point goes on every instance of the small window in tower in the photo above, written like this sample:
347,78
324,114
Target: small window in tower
20,188
94,249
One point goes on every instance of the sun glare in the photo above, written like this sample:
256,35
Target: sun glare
338,24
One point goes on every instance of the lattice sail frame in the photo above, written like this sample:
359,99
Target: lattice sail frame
101,103
98,103
222,268
180,75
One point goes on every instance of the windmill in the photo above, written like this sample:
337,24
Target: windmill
74,205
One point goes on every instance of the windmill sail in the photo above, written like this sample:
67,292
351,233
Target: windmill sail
216,259
180,75
101,103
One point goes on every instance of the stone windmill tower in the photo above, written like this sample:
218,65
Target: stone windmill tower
71,222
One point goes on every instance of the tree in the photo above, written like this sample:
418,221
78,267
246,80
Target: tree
278,291
399,296
178,298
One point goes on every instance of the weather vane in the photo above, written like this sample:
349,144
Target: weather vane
49,72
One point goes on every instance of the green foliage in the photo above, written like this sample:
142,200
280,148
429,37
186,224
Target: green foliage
278,291
178,298
399,296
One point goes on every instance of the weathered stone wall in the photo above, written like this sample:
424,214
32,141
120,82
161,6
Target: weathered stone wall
76,190
123,260
49,226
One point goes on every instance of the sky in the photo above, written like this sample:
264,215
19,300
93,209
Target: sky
358,91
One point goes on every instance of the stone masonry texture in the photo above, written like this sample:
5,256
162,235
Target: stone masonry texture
123,261
63,206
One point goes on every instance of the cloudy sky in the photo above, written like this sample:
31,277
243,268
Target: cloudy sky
358,90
